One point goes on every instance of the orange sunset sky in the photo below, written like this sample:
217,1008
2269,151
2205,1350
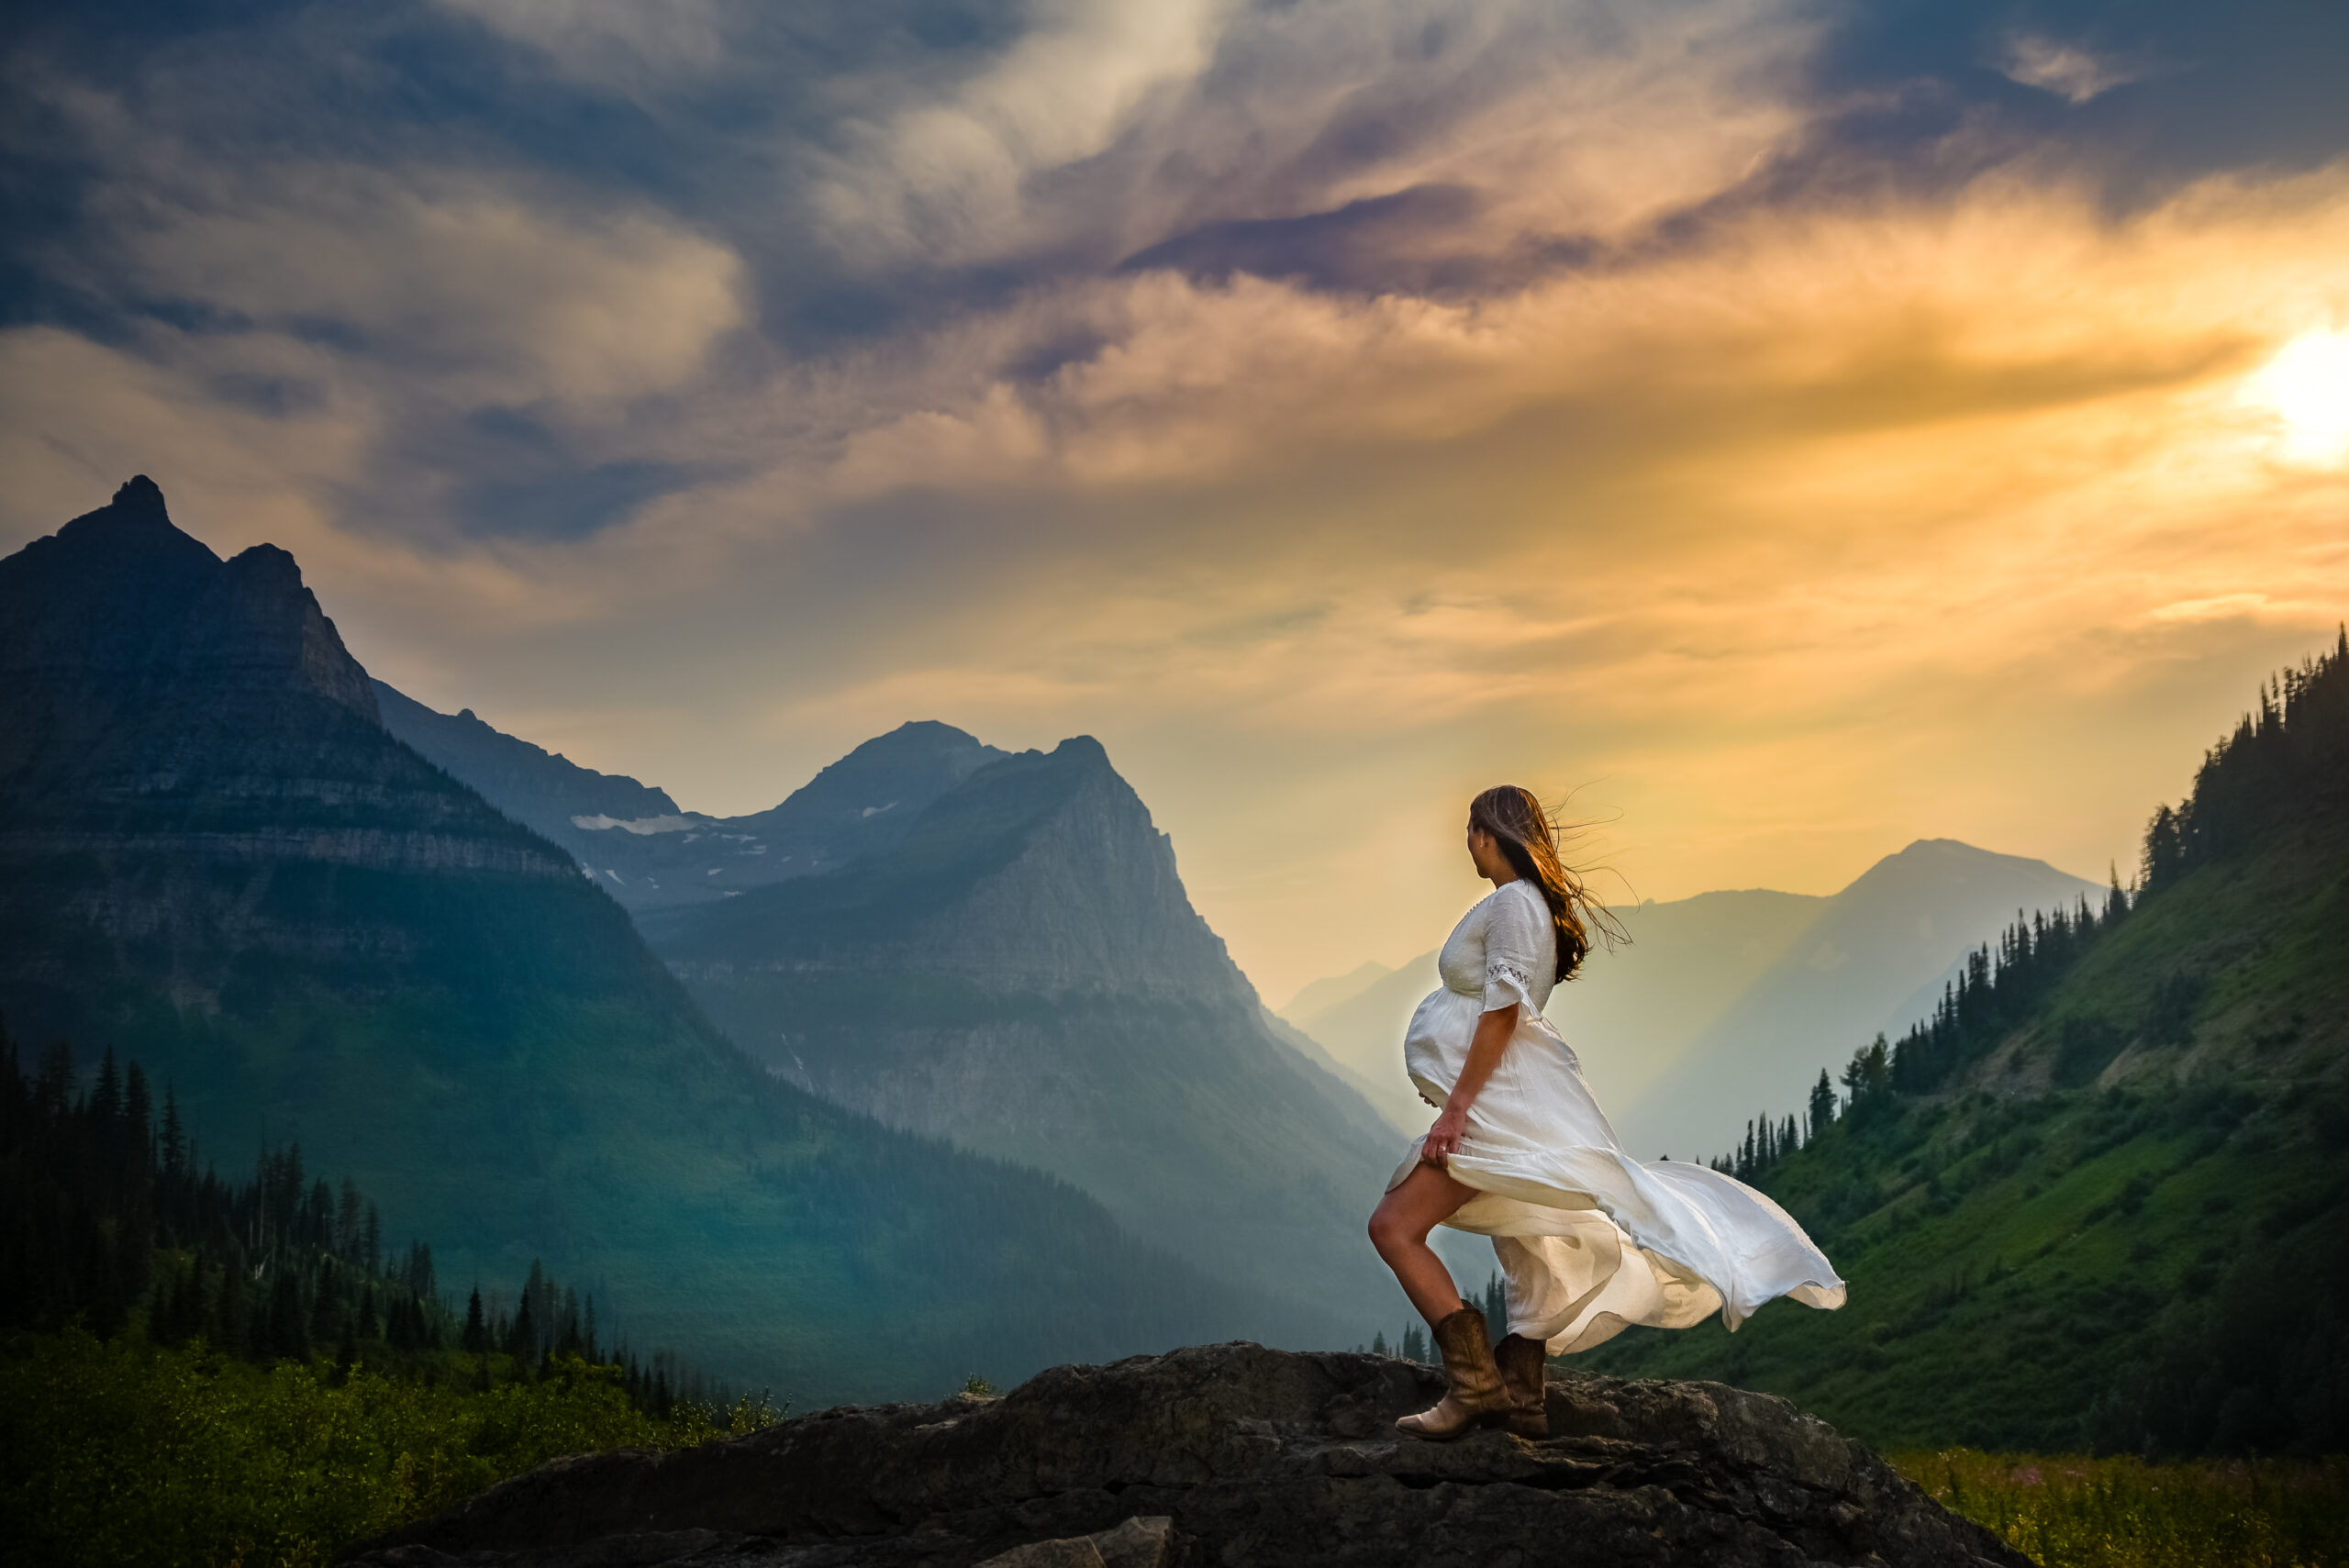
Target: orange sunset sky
1794,429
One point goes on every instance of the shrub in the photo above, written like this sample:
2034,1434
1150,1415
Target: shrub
123,1452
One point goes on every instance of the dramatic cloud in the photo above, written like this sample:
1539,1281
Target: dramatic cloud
1800,433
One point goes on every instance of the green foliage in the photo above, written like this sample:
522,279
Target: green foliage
2161,1273
122,1452
2288,757
2160,1267
2076,1512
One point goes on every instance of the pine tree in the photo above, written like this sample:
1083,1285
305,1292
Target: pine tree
349,1219
172,1144
476,1334
521,1338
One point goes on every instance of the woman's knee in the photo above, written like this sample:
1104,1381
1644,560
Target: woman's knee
1390,1230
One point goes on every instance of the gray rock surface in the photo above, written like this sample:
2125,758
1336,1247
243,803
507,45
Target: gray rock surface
1248,1456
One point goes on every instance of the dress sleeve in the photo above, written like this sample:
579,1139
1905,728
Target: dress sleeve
1518,940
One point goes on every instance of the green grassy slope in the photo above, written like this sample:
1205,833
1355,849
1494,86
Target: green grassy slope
2127,1225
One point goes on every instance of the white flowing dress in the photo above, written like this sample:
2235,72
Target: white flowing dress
1590,1239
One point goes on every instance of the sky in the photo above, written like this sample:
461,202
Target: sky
1777,431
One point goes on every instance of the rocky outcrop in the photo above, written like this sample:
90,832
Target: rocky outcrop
1232,1455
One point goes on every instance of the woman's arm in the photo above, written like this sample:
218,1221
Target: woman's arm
1492,1037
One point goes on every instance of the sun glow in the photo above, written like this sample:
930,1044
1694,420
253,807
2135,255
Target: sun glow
2307,383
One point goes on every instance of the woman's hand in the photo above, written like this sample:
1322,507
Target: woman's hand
1485,1049
1444,1138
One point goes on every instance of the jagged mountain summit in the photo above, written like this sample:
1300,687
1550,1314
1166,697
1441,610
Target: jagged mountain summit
635,842
214,860
1022,972
1228,1455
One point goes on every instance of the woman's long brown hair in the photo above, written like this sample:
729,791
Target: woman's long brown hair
1528,835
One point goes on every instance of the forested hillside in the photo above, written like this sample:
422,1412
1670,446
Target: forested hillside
2103,1196
112,1221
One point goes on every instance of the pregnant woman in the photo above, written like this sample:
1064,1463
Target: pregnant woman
1590,1239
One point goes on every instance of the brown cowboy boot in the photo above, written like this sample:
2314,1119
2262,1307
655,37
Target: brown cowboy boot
1473,1396
1522,1363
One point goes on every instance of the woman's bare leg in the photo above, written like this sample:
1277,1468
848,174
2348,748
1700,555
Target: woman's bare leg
1399,1227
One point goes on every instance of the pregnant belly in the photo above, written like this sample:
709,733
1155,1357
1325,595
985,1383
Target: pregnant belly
1436,1045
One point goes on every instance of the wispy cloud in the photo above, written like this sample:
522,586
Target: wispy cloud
2070,71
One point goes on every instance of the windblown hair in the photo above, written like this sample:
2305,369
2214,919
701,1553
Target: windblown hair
1528,834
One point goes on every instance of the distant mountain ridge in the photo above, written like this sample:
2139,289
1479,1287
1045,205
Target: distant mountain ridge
215,861
1864,965
639,845
543,791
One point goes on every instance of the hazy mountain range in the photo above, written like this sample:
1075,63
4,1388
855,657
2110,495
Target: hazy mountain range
215,861
1008,961
1721,1001
635,842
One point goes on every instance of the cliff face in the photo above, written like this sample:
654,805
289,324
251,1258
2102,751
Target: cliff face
1233,1455
1024,975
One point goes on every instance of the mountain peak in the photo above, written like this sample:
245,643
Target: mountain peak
138,494
122,589
1939,860
132,537
1083,749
